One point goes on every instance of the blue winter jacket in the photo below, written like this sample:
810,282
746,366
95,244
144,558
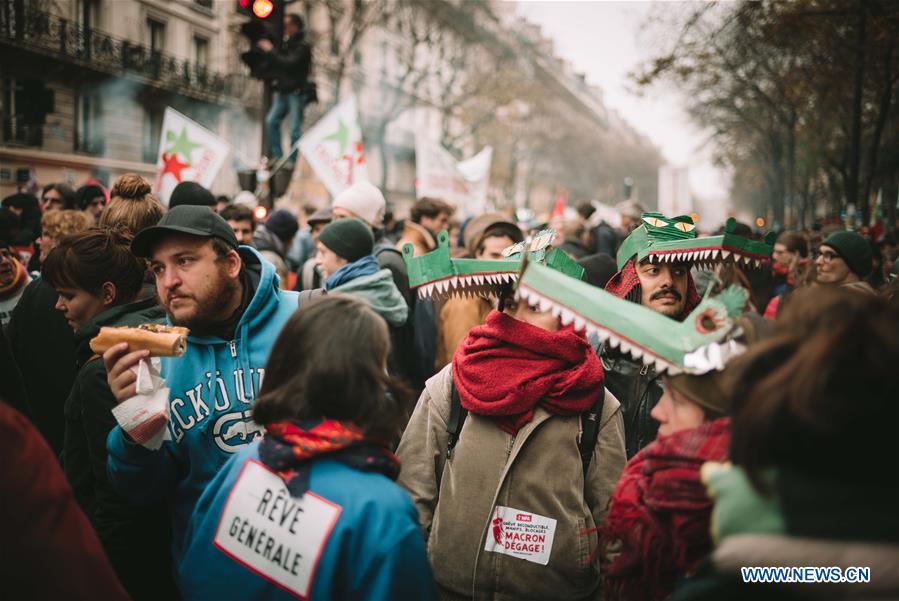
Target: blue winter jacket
353,535
212,388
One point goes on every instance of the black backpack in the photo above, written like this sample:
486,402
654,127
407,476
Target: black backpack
586,444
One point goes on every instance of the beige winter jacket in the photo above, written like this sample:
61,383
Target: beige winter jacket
537,475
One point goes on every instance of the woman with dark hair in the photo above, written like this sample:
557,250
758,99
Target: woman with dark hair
311,510
815,474
99,282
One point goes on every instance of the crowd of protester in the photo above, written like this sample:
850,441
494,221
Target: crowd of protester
314,446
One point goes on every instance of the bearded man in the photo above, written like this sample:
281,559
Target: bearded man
229,298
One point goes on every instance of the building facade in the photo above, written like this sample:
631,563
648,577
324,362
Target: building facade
84,85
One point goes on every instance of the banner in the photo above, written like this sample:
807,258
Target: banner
188,152
333,147
464,184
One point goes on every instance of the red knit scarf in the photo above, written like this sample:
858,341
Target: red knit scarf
660,513
626,284
19,279
506,368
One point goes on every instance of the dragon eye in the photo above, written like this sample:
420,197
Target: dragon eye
684,226
655,221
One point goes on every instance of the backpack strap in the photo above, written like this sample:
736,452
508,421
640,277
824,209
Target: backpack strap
456,420
308,295
590,432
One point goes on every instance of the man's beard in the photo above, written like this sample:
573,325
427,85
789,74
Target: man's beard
207,315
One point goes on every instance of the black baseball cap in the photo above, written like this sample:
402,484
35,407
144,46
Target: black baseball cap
193,220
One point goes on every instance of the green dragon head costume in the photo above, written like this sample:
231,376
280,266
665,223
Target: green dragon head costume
438,275
673,239
688,346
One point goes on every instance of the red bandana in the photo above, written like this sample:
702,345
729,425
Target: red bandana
660,512
506,368
625,281
289,446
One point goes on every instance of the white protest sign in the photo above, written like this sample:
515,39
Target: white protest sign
333,147
279,537
188,152
438,175
521,534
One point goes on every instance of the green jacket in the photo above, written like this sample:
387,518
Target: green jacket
381,293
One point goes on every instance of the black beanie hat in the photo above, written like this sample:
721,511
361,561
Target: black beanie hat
191,193
283,224
853,249
350,239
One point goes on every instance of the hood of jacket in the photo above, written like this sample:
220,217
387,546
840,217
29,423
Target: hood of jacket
381,293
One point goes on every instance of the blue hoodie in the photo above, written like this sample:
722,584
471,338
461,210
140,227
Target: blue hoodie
353,535
212,388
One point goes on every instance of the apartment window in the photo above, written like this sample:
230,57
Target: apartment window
201,51
152,131
89,134
24,105
156,35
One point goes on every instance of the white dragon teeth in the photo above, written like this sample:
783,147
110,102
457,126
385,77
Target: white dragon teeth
567,317
544,304
725,254
758,263
579,322
557,311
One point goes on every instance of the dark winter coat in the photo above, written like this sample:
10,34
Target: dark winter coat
143,568
292,65
638,388
43,345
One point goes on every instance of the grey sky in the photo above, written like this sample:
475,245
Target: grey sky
606,41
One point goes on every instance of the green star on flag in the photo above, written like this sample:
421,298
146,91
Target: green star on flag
341,136
181,144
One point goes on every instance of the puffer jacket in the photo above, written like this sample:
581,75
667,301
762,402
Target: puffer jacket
638,387
509,517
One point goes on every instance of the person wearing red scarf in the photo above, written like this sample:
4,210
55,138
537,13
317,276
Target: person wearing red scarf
311,510
657,529
508,510
13,279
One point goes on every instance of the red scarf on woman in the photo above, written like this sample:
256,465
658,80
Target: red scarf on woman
506,368
289,448
660,513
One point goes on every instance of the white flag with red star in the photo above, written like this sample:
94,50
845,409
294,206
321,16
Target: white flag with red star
188,152
333,147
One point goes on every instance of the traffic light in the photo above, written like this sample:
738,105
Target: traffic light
266,22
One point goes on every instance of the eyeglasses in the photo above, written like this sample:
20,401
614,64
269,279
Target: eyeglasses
828,255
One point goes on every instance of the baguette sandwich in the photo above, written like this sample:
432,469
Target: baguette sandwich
160,340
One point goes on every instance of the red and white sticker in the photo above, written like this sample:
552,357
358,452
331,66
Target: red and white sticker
521,534
279,537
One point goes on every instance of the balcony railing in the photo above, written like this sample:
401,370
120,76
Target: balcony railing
59,38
